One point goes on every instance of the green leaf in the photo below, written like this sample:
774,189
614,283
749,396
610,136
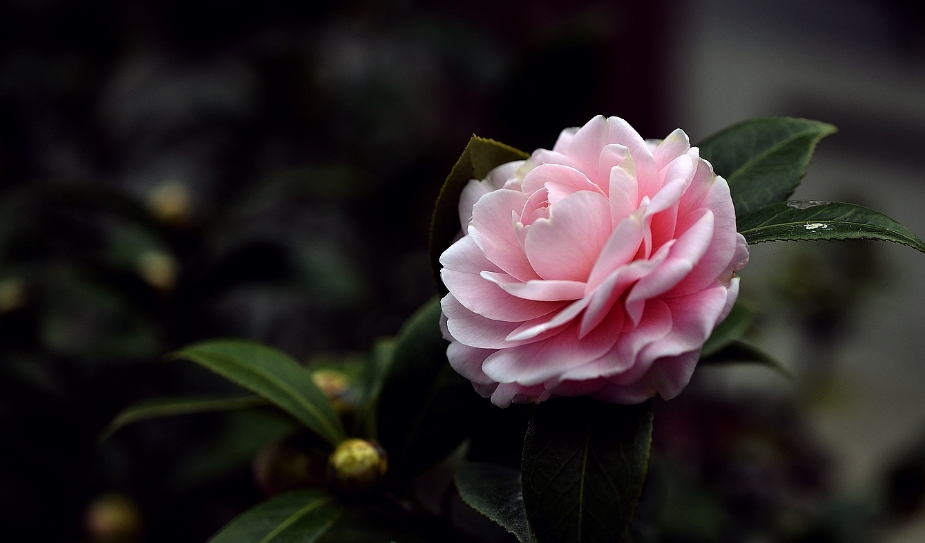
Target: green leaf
763,160
495,491
425,407
237,439
480,156
732,328
809,220
584,463
272,374
739,351
166,407
298,517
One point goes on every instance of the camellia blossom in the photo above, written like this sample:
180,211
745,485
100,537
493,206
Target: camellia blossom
598,268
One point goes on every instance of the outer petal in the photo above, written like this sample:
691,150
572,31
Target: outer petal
540,361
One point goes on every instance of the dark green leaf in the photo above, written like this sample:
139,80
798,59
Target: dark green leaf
166,407
424,407
479,157
584,464
495,491
808,220
741,351
364,524
732,328
763,160
272,374
298,517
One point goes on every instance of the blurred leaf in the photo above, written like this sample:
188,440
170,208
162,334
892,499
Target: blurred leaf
808,220
374,524
763,160
495,491
296,517
739,351
425,407
241,435
478,158
273,375
378,365
93,321
166,407
732,328
584,464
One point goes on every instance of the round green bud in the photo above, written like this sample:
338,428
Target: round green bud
357,466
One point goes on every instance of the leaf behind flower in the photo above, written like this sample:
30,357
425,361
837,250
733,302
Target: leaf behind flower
425,408
480,156
807,220
584,463
495,491
763,160
272,374
742,352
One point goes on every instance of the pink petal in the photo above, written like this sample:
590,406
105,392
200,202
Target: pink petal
670,375
619,131
475,330
471,194
654,325
629,394
612,288
624,194
467,361
489,300
559,180
619,250
685,253
493,230
724,245
465,256
540,361
513,392
551,246
499,176
534,328
670,148
539,290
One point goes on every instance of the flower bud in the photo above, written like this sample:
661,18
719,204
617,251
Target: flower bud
357,466
158,269
170,202
12,294
335,386
112,518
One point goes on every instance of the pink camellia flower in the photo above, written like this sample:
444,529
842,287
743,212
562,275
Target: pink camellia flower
598,268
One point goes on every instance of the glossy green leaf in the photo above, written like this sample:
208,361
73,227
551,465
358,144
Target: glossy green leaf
298,517
584,463
424,407
763,160
809,220
732,328
739,351
480,156
495,491
166,407
272,374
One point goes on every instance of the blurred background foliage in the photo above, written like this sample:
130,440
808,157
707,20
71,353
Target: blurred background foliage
175,171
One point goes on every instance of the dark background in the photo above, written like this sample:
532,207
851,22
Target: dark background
174,171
